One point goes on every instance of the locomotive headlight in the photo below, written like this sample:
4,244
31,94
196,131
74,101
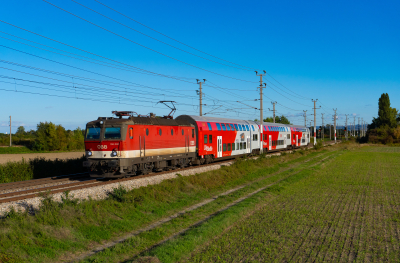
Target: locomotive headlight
89,153
114,153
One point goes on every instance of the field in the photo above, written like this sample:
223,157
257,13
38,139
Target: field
340,203
347,209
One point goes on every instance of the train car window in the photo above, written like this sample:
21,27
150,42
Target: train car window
256,137
209,126
183,132
243,127
229,147
112,133
130,133
233,146
228,128
172,131
244,145
253,127
232,127
147,132
247,128
192,133
240,127
288,136
223,127
224,147
236,127
241,146
160,132
93,133
237,146
210,138
218,126
205,139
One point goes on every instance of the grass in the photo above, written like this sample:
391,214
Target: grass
58,231
343,210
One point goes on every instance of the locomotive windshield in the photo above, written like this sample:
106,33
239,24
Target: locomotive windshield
93,133
112,133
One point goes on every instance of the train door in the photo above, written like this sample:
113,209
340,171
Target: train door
248,144
142,146
297,140
219,141
270,142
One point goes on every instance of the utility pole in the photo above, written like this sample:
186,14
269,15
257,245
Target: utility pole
322,126
10,133
362,128
346,128
330,131
315,121
358,128
273,103
305,118
335,124
354,127
261,108
201,96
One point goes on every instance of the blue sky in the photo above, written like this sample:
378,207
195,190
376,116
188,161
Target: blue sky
343,53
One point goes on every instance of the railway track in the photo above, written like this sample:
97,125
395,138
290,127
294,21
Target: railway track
17,191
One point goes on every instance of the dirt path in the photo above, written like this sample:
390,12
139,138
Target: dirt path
4,158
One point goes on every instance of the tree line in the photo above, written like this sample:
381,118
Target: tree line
47,137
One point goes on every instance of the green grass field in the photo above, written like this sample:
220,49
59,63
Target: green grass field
346,209
61,231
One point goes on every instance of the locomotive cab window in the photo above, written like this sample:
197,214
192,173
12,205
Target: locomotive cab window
93,133
130,133
112,133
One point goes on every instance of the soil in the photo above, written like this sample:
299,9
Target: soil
4,158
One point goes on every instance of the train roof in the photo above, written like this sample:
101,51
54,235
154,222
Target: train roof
141,121
195,118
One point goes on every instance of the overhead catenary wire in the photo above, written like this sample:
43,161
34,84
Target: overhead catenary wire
180,42
241,68
153,50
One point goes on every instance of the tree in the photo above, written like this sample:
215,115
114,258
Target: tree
20,130
278,119
386,115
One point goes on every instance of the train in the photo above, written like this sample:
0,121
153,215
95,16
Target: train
128,144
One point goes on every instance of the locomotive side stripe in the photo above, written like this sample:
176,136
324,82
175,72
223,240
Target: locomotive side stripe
136,153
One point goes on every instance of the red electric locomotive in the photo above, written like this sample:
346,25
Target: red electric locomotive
128,145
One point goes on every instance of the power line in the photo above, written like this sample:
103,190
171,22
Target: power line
156,38
153,50
171,37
